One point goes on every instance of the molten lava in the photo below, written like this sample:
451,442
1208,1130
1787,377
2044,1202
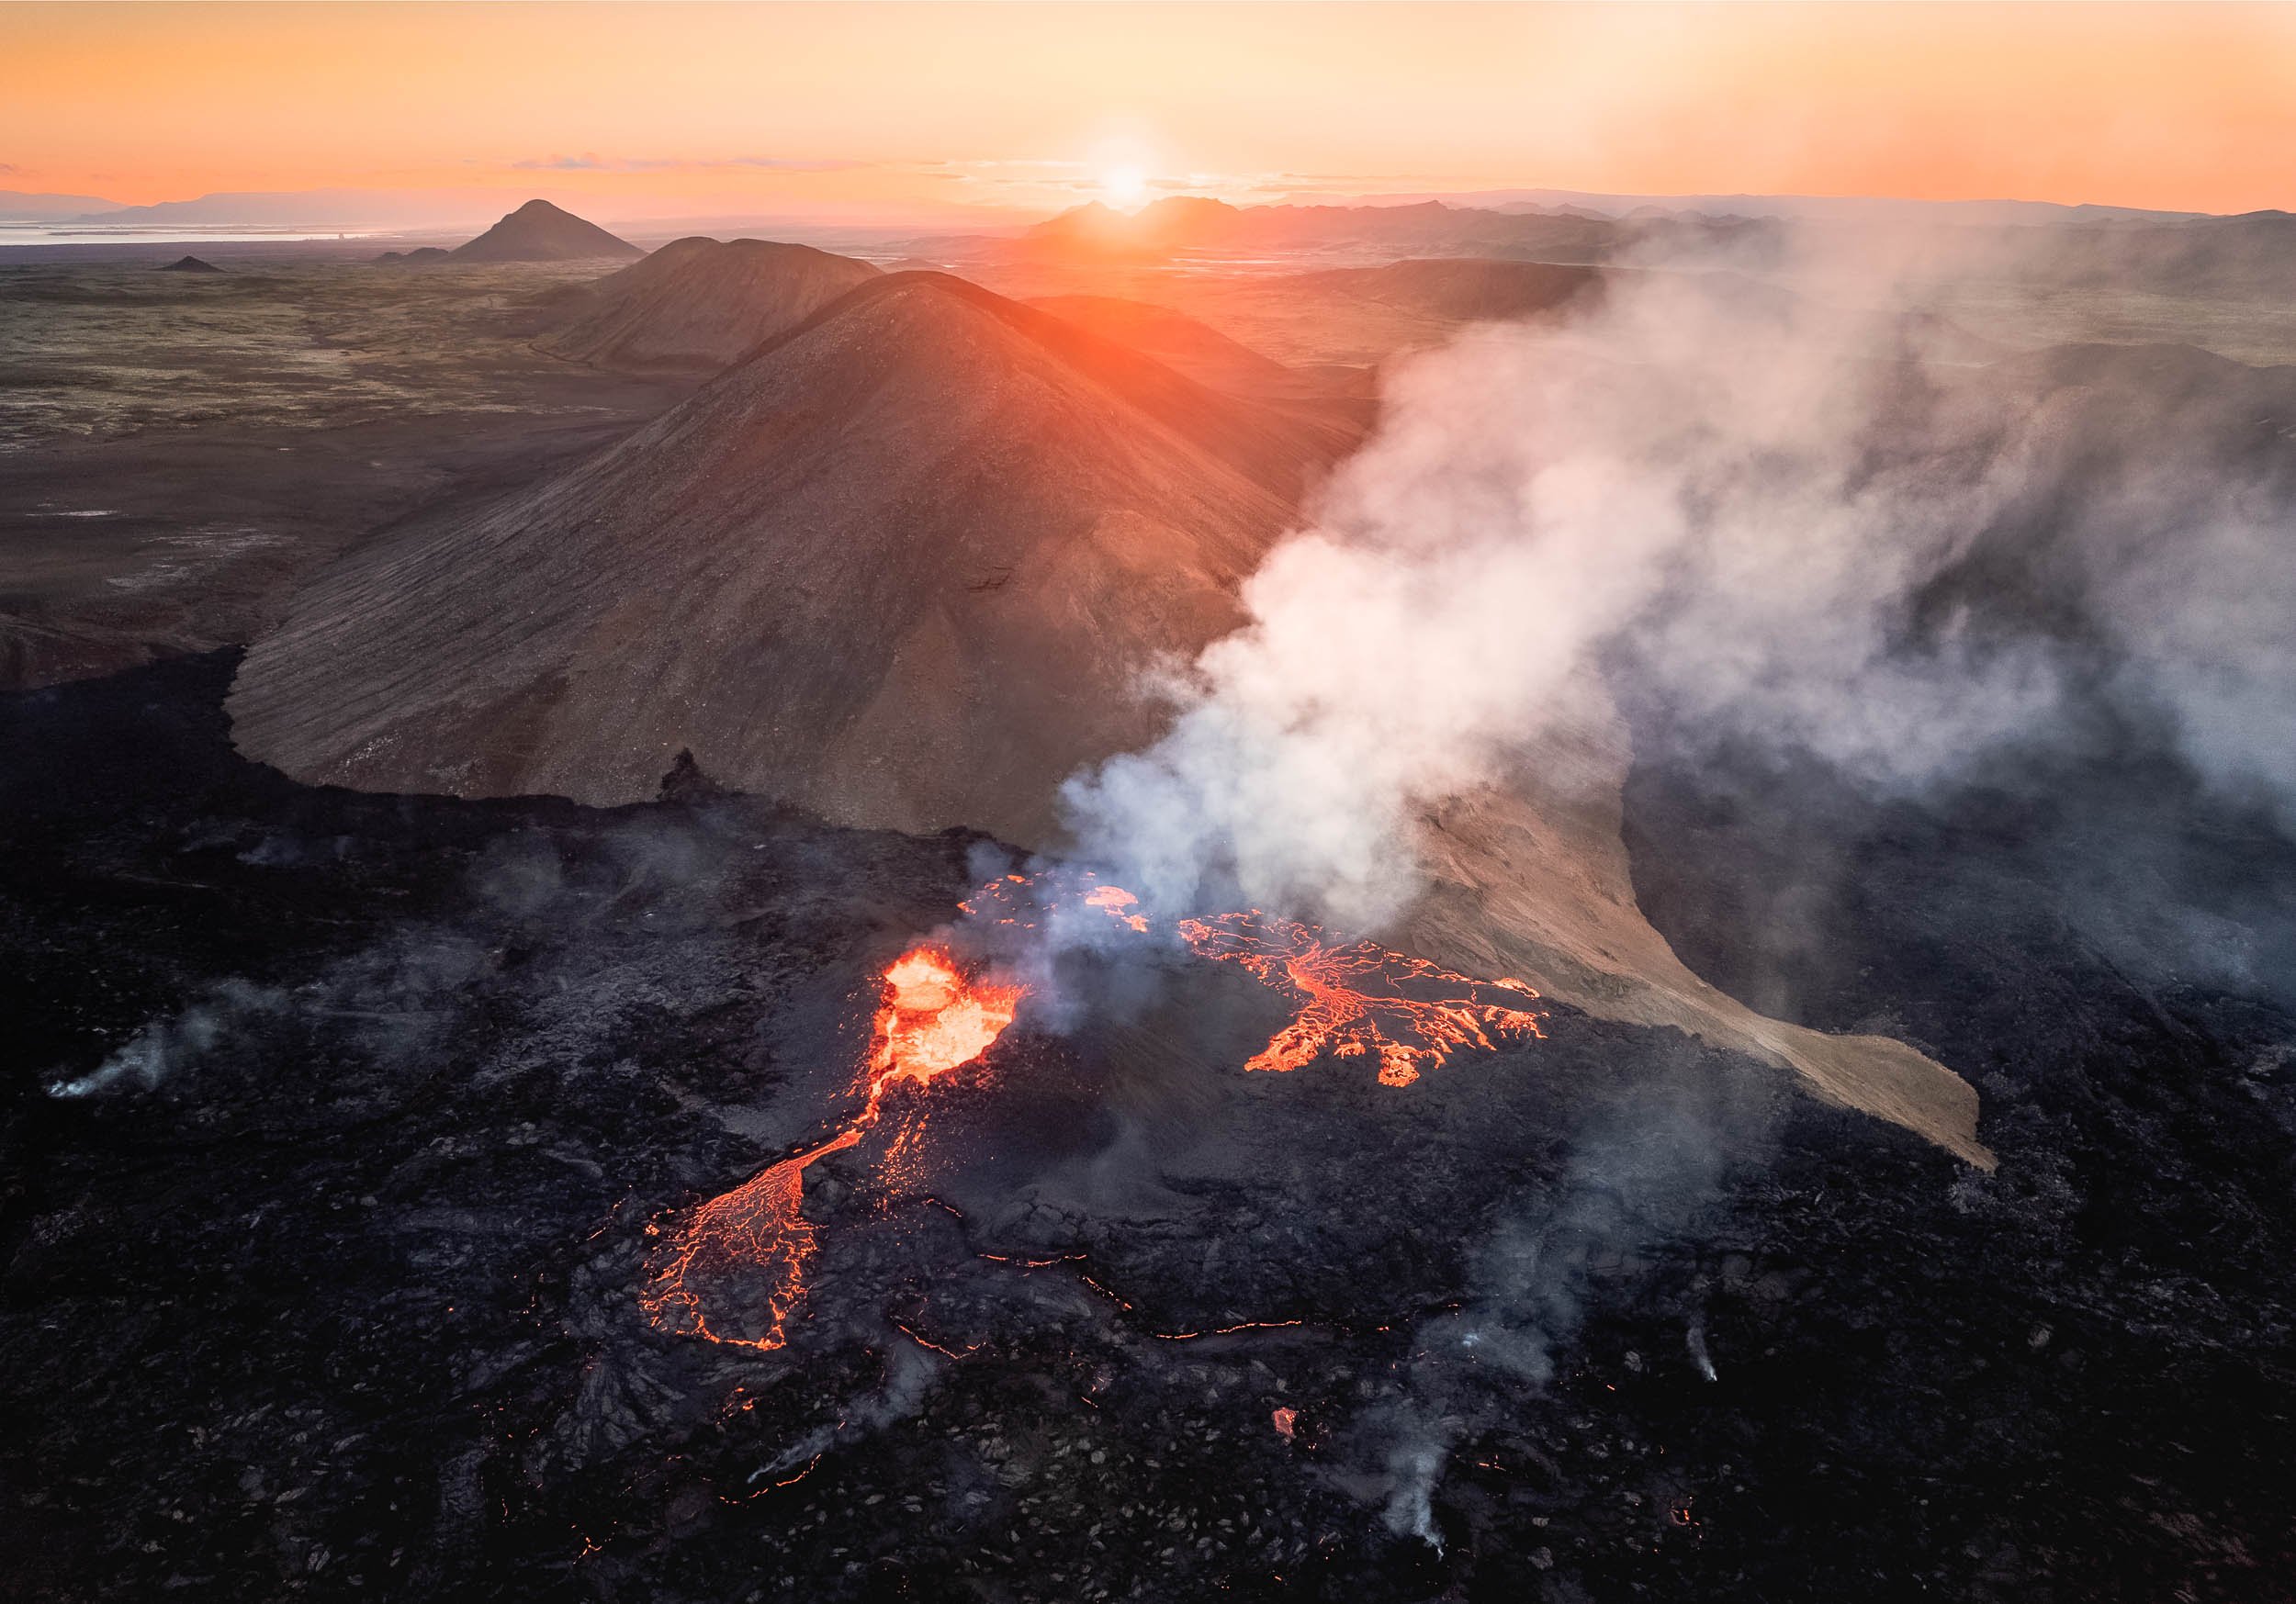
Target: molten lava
757,1229
931,1020
1113,901
1358,998
1352,1000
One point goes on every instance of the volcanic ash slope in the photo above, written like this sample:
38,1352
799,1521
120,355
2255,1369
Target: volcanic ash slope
905,565
1531,878
701,305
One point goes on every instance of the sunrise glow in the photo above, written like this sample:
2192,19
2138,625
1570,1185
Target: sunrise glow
1125,188
947,111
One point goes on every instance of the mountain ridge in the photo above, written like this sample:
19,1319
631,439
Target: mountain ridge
700,303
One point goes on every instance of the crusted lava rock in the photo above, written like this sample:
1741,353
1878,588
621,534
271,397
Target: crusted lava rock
343,1133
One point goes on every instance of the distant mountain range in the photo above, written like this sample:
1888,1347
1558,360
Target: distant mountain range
1818,208
319,208
444,211
459,207
17,206
2246,256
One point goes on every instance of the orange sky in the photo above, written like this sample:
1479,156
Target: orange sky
862,110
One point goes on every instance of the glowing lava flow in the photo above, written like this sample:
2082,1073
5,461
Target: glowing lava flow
1352,999
1113,901
1357,998
931,1020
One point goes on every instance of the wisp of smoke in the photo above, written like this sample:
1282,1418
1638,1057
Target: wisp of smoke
385,1002
168,1043
1414,1466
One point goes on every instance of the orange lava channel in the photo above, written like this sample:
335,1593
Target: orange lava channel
1352,999
1358,998
930,1020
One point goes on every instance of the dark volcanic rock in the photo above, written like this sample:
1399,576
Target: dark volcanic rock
686,782
331,1288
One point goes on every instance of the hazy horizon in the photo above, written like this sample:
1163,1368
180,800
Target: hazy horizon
881,115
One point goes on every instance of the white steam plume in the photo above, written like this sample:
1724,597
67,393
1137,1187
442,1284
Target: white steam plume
1737,500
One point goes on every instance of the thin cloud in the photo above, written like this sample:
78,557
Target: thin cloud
590,161
1340,183
1031,163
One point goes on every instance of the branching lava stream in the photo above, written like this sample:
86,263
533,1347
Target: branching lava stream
1352,1000
930,1020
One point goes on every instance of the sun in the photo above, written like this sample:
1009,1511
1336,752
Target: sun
1124,188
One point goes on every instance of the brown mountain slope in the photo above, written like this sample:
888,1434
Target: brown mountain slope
902,565
700,305
539,231
1181,343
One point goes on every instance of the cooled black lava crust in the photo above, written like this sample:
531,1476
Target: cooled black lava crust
344,1302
